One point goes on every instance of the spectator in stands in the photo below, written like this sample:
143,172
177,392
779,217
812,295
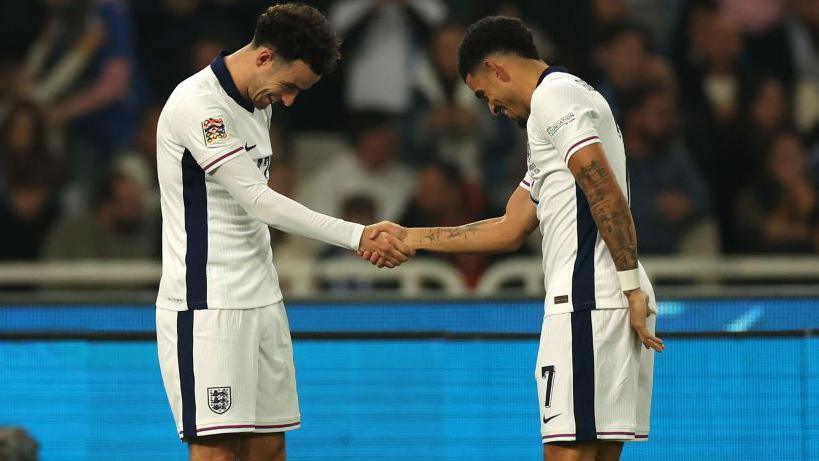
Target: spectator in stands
139,162
11,84
373,169
780,213
711,71
161,22
442,199
622,57
575,28
712,80
24,146
447,120
288,247
356,208
27,215
83,69
207,45
802,54
116,227
765,111
668,196
360,209
382,39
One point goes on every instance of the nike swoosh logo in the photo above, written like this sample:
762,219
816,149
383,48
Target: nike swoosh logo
546,420
250,148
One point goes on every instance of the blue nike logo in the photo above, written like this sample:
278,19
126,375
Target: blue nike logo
250,148
546,420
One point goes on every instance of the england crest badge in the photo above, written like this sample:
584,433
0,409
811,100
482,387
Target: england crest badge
219,399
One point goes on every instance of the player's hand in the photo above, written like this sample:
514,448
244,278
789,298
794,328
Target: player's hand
382,244
409,236
638,313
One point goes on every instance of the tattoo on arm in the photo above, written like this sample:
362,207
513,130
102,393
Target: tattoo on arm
611,213
440,234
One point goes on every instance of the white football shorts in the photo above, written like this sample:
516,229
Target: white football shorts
594,377
228,370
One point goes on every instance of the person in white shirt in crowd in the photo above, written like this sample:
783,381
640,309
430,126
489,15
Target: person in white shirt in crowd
384,40
372,169
446,120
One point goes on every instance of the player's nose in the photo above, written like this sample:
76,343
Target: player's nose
288,99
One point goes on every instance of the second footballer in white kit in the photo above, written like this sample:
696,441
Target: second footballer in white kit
223,338
594,377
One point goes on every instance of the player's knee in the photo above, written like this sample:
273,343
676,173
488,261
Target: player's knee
214,449
609,451
569,451
266,447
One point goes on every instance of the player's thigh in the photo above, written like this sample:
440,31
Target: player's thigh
554,378
645,387
277,404
617,354
223,447
570,451
263,447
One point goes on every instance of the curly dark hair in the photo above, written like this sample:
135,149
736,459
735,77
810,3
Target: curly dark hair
296,32
494,34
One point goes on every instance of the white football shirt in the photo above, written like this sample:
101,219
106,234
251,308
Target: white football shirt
568,114
215,254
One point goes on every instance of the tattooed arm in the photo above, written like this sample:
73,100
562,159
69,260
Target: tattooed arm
608,205
611,213
496,235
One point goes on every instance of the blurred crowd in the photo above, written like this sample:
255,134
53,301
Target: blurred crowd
718,101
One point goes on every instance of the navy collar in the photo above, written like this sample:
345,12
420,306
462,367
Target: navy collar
548,71
222,74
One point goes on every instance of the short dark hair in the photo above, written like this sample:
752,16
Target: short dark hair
299,32
494,34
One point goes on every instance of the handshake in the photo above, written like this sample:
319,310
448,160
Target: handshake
385,244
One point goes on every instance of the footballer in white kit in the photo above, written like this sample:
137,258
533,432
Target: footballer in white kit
595,362
224,344
594,381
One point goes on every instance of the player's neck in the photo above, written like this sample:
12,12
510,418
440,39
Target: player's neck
530,70
240,65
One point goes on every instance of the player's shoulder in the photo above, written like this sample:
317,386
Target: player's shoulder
198,92
560,82
557,90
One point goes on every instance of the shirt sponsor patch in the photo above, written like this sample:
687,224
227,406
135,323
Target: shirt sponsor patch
584,84
561,299
565,120
214,130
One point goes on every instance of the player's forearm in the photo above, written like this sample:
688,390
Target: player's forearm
488,236
291,217
247,186
611,213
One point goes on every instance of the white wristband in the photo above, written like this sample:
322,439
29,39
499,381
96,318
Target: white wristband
629,280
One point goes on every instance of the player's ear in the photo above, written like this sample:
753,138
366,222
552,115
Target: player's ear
265,55
496,70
